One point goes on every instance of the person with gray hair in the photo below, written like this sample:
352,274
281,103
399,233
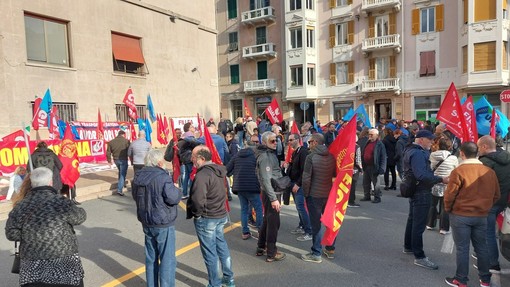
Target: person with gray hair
268,167
157,199
42,221
373,158
137,151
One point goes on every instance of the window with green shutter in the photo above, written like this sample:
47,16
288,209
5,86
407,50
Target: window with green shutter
234,74
232,9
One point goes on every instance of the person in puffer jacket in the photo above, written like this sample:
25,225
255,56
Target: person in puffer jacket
442,162
156,200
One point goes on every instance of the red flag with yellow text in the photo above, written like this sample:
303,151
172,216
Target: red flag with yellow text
68,155
343,149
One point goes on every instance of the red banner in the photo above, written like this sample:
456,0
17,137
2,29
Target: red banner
469,114
68,155
16,136
343,149
274,113
14,154
129,101
451,113
89,130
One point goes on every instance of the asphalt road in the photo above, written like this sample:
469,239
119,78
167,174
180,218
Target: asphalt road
369,250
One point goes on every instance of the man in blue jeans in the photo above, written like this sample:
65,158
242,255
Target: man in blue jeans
417,166
157,218
206,205
118,149
318,174
295,172
499,161
472,190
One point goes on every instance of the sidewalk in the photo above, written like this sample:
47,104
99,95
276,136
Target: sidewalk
96,181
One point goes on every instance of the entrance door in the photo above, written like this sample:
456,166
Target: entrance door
262,70
383,110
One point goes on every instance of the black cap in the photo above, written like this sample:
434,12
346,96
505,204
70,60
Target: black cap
425,134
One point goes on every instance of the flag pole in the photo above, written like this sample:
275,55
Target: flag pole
24,128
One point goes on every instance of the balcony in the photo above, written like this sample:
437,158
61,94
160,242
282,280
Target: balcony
260,86
259,16
369,86
262,51
371,5
383,42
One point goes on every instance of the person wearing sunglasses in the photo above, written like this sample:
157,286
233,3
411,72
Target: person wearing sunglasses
268,167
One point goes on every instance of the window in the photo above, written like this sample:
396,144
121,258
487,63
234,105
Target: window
260,35
310,75
505,55
485,59
232,9
341,73
485,10
121,112
427,20
427,63
234,74
237,108
341,34
296,76
381,26
464,59
310,37
426,107
46,40
340,109
257,4
309,4
341,3
127,55
295,5
66,111
382,66
296,40
232,42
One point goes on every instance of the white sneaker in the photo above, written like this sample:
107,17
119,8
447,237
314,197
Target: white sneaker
444,232
298,230
304,237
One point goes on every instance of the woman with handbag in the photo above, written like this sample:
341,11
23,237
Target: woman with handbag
442,163
42,221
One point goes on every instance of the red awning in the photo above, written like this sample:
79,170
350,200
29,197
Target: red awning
127,49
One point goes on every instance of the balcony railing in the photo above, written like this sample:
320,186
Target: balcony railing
267,50
383,42
368,5
262,15
368,86
267,85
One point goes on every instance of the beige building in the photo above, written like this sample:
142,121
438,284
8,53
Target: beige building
396,57
90,52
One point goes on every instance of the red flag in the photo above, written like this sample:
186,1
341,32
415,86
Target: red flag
273,112
215,156
160,130
200,125
166,131
53,128
469,114
16,136
451,113
343,149
247,112
494,119
129,101
68,155
176,165
132,131
100,127
36,121
295,130
288,157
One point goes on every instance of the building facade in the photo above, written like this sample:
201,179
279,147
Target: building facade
88,53
396,57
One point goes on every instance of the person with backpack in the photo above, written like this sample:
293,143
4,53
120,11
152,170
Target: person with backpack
45,157
185,146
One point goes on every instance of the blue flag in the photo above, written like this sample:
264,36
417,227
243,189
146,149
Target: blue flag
349,115
502,125
150,108
148,130
47,104
483,114
363,116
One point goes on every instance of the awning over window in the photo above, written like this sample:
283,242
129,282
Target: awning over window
127,49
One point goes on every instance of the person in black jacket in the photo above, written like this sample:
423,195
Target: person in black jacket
156,200
330,136
246,185
295,171
373,156
45,157
390,143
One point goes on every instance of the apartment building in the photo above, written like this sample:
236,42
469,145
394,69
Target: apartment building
396,57
90,52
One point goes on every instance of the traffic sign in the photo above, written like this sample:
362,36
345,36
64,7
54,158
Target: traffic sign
505,96
304,106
